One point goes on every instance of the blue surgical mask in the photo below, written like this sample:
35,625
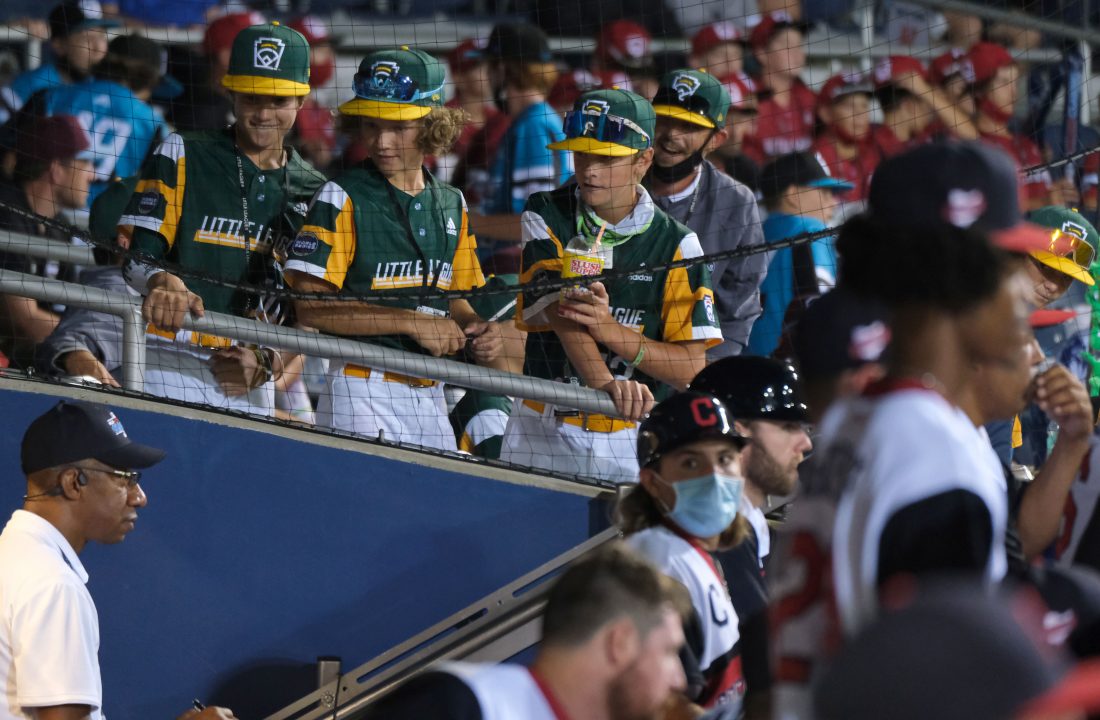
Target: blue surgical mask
705,506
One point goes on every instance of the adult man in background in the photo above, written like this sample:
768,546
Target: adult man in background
611,637
691,109
82,487
52,173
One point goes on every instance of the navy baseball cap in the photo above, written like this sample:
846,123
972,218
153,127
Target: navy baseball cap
967,184
839,332
73,430
801,169
73,16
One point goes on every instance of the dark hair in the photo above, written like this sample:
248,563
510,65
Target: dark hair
889,97
941,266
28,168
637,511
608,584
134,74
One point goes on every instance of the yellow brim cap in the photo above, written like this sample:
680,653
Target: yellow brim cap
257,85
1064,265
679,113
384,110
592,147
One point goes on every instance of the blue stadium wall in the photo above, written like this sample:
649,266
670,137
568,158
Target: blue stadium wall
263,548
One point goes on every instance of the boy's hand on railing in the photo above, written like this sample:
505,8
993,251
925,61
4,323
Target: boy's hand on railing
632,399
486,341
168,302
82,362
237,370
438,335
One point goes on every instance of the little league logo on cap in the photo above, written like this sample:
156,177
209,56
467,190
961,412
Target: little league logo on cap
693,96
270,59
594,107
268,53
685,86
399,84
1073,242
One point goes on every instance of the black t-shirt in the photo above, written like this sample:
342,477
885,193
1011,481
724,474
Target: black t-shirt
749,594
428,696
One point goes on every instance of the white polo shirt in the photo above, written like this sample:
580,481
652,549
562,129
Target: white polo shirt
49,628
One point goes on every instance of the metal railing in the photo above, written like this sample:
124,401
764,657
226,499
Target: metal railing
128,308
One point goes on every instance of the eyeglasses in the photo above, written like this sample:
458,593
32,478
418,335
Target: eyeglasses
130,476
400,88
605,128
1069,245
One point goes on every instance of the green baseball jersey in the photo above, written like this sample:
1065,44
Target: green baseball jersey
664,305
188,208
479,420
365,236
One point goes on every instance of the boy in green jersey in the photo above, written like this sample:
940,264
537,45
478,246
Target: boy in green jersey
638,333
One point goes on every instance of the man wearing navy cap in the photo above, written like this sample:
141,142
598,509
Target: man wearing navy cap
82,486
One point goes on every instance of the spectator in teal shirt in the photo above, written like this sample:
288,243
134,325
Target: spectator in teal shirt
800,196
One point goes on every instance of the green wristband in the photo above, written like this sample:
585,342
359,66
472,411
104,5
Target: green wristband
640,356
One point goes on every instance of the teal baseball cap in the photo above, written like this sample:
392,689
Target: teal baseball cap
694,96
269,59
399,84
1073,242
611,122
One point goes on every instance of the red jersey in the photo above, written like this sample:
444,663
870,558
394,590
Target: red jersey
856,170
1037,186
782,130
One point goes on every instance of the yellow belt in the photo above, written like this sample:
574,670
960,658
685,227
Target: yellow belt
585,421
201,339
360,371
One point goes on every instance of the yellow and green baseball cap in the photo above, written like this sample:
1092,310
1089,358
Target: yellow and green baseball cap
269,59
399,84
611,122
1073,242
694,96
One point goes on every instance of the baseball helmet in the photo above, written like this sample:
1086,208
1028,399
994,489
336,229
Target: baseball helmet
754,388
684,418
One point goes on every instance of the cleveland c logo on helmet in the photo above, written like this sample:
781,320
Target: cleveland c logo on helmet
267,53
685,86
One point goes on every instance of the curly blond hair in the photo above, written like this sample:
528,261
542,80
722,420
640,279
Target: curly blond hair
441,129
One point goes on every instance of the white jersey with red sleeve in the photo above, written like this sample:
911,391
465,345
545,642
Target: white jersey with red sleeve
1079,519
916,448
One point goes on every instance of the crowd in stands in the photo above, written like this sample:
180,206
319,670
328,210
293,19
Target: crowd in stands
901,324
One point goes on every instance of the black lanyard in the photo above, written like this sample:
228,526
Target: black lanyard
400,210
262,276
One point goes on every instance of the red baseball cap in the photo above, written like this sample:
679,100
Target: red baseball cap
58,137
945,66
984,60
768,26
570,86
1047,318
843,84
314,28
625,43
889,69
467,54
221,33
714,35
742,92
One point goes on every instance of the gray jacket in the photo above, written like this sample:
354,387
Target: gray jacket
726,216
82,329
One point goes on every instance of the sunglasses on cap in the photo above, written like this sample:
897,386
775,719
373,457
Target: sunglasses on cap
1068,245
398,88
605,128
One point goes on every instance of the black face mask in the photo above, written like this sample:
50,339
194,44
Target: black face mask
679,171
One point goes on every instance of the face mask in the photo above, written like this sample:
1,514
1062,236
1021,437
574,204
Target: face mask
679,171
995,113
705,506
500,98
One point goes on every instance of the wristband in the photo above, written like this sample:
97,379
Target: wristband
264,365
640,356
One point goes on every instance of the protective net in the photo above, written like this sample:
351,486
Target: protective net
502,229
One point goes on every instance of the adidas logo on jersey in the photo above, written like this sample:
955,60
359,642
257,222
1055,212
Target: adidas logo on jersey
451,229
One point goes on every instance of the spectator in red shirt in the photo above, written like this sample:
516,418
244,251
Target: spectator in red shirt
994,79
719,49
945,72
785,123
315,128
473,151
623,47
740,123
914,110
844,107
